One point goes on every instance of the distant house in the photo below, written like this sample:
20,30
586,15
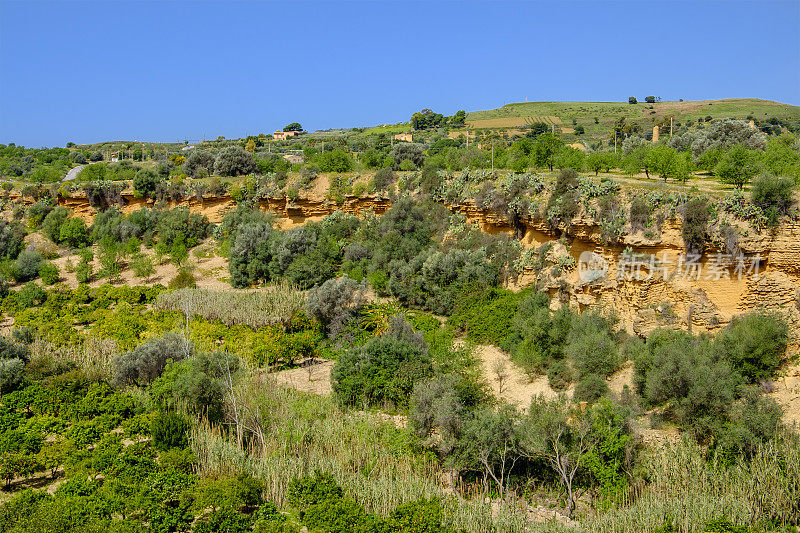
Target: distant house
283,135
404,137
293,158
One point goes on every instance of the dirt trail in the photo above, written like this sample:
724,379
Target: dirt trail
314,378
516,387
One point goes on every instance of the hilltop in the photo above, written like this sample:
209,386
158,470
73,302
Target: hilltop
598,118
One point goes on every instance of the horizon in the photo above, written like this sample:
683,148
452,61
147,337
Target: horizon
156,77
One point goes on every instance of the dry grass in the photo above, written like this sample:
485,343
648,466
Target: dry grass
276,303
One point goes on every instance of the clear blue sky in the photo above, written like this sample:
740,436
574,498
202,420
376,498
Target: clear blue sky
166,71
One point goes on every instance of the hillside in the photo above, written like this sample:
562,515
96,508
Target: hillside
598,118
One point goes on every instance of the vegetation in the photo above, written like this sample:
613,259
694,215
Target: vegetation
167,409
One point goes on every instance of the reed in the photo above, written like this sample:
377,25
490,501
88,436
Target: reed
276,303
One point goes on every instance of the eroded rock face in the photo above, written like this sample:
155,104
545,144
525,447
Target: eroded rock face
699,303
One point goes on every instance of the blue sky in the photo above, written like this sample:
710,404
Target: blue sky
167,71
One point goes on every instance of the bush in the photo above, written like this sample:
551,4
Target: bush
773,195
306,491
184,279
74,233
383,179
12,235
31,295
27,266
51,225
198,162
754,345
486,316
234,161
49,273
334,302
590,346
147,361
590,388
423,516
559,375
169,430
640,213
382,372
145,183
339,516
695,225
224,520
251,254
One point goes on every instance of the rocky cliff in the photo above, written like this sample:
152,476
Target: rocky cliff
647,282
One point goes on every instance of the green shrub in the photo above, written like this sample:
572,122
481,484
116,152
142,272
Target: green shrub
773,195
224,520
559,375
423,516
591,347
590,388
485,316
49,273
383,371
51,225
754,345
306,491
183,279
12,235
169,430
695,225
339,516
27,266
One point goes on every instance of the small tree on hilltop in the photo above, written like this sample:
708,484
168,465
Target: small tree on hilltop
632,100
294,126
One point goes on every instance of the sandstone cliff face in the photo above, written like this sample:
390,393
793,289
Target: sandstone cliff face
701,301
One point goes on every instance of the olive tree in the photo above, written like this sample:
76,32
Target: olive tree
234,161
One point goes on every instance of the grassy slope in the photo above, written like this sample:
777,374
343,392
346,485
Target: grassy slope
608,112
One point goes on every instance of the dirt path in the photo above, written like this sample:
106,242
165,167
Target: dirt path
515,386
314,378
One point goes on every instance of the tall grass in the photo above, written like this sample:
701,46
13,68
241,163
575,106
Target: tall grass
277,303
381,467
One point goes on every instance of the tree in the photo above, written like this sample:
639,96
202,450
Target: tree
774,195
251,254
74,233
197,162
737,166
334,302
694,229
51,225
234,161
294,126
632,100
459,118
754,344
664,161
595,162
12,235
142,266
146,362
334,161
559,435
27,265
650,99
490,441
545,148
145,183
